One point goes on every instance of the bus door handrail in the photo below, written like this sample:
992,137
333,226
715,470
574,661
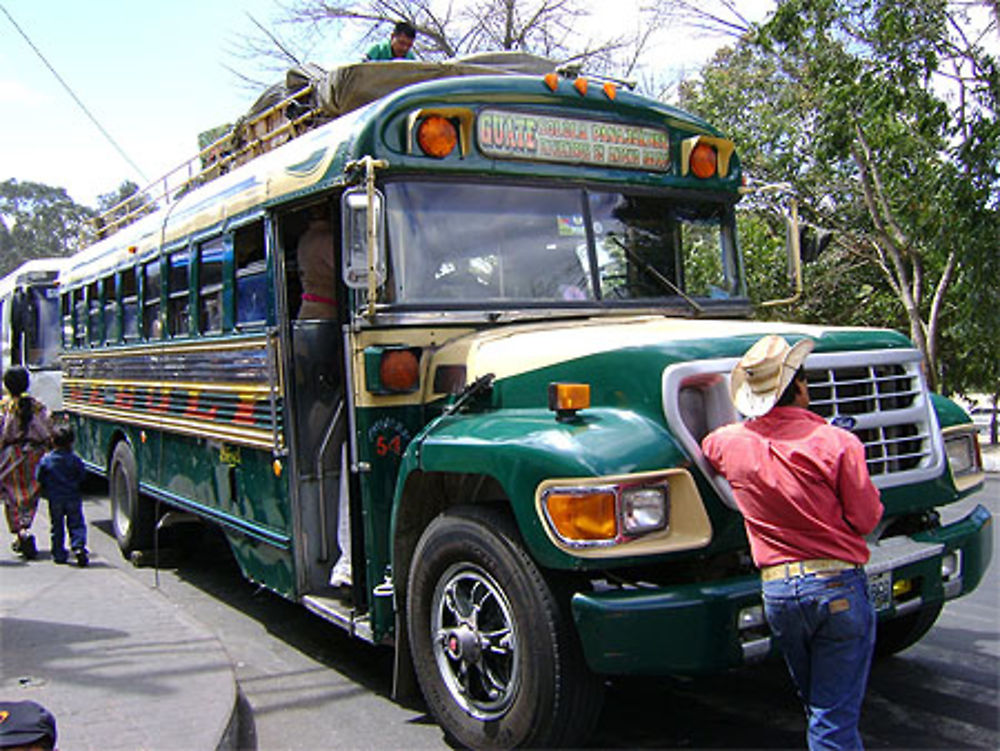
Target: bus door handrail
278,448
324,537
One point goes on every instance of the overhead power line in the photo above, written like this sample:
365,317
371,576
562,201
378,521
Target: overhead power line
76,99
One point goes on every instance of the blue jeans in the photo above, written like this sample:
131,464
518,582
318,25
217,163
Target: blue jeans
70,514
824,626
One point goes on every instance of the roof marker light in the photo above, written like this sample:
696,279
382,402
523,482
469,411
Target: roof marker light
580,85
552,80
703,160
437,136
610,90
712,157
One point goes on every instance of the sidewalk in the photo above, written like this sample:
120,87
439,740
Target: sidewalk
119,666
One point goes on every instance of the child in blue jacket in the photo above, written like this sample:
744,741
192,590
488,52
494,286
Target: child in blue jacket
60,473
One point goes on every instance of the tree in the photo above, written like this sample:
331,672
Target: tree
447,29
882,115
122,206
38,221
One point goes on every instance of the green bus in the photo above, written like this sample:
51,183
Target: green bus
539,295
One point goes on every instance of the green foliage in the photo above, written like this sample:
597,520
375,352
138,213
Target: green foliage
37,221
122,206
881,115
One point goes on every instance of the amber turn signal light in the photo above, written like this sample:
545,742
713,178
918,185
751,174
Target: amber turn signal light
566,398
587,516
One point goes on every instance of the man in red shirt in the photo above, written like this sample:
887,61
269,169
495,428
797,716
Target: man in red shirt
807,502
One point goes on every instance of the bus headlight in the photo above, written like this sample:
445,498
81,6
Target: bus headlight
605,514
644,509
963,452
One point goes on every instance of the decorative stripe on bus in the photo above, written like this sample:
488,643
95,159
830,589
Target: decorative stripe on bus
234,368
251,408
261,438
271,537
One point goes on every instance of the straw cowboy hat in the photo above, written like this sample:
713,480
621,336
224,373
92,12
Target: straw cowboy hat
764,372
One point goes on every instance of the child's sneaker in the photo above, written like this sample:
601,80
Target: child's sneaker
82,559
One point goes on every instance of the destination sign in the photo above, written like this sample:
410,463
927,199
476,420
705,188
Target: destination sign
517,135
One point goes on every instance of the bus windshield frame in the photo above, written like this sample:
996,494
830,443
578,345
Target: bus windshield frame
500,245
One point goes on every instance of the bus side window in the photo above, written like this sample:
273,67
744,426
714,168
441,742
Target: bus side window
210,256
112,323
151,327
95,308
80,318
178,293
130,304
251,276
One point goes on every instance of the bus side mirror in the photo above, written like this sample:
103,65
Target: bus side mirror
813,241
363,239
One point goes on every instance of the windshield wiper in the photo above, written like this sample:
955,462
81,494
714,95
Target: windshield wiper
656,274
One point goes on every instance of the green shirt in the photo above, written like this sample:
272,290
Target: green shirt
383,51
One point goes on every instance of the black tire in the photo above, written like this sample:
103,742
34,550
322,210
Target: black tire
898,634
132,515
505,669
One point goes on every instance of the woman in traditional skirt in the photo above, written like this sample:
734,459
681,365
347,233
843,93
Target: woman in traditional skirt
25,431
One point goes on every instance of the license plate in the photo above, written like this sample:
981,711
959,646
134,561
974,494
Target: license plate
880,585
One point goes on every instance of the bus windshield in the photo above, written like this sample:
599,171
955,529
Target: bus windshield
458,242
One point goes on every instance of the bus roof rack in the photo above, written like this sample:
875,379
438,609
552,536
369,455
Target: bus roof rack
308,97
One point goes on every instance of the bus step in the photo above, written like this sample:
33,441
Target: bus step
341,614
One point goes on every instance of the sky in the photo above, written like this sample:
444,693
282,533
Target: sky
154,75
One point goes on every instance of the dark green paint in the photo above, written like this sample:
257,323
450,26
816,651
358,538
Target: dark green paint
691,628
382,132
185,473
948,412
522,447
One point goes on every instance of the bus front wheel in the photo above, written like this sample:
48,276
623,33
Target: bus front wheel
492,647
131,514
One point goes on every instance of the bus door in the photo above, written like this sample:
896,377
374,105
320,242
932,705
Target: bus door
317,411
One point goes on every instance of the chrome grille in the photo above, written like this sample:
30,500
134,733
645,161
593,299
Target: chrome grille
880,393
883,400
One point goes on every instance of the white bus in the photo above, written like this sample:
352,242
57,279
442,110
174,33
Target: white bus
29,326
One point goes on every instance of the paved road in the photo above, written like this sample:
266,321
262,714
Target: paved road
308,686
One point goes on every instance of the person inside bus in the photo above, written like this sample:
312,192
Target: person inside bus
25,432
317,271
399,46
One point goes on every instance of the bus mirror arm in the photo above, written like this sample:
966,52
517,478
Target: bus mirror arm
370,164
482,384
792,240
794,252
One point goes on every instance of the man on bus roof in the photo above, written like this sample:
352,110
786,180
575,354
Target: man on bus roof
399,46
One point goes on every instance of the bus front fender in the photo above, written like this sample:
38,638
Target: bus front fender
519,449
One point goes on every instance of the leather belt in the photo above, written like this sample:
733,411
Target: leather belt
792,569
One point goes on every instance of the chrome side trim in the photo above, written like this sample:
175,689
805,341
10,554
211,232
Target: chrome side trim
756,650
339,614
